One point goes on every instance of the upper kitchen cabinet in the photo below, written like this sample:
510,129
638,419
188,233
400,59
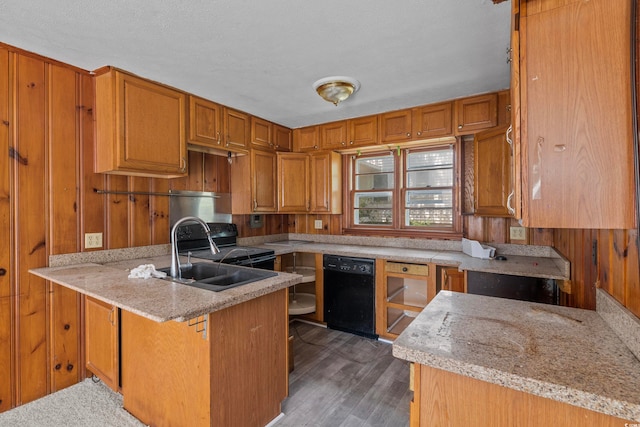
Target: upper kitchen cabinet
205,122
306,139
576,120
253,183
493,181
333,136
237,130
432,121
261,133
326,183
282,137
140,126
476,113
293,182
395,126
363,131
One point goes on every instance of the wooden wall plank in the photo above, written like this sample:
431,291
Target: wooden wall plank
632,292
6,283
65,332
139,215
159,212
117,219
31,248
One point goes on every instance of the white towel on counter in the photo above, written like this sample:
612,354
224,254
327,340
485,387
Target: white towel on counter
146,271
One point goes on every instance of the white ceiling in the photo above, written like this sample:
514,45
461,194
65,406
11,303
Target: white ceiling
262,57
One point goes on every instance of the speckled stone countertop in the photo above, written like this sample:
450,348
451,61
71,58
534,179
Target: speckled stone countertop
531,261
155,299
565,354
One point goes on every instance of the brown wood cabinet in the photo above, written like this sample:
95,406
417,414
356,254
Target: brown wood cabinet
333,136
437,398
363,131
102,341
493,184
395,126
402,291
452,279
326,183
306,139
261,133
225,368
254,182
205,122
282,138
476,113
293,182
576,117
432,121
140,126
237,130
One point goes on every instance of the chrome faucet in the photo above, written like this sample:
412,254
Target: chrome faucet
175,261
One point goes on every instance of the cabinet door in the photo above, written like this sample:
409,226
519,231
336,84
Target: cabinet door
261,133
263,176
282,138
363,131
326,183
333,135
515,108
577,131
306,139
293,182
140,127
476,113
452,280
396,126
237,130
432,121
492,173
205,122
101,341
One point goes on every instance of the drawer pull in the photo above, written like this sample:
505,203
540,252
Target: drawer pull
405,269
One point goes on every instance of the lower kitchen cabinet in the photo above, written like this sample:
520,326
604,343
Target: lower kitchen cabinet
311,288
102,341
451,279
227,368
442,398
402,291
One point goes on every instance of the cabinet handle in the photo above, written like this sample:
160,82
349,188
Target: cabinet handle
419,133
343,143
446,286
255,204
405,269
510,208
3,271
350,142
218,134
460,127
184,165
408,134
315,147
111,317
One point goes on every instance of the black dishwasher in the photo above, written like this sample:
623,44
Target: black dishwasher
349,295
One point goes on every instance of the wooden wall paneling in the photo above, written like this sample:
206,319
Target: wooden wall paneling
65,323
584,294
195,179
210,173
632,292
468,190
473,227
139,212
618,267
497,230
159,212
335,224
62,149
541,236
604,261
63,143
92,204
30,207
117,213
6,283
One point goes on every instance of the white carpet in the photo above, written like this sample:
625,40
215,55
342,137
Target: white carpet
86,404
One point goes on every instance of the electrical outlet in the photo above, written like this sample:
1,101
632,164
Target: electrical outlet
318,224
92,240
518,233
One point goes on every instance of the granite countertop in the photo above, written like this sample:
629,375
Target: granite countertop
552,266
156,299
565,354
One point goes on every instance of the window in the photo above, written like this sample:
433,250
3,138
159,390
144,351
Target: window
407,190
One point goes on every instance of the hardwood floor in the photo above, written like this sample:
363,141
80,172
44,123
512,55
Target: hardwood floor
344,380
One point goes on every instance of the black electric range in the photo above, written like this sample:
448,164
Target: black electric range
192,239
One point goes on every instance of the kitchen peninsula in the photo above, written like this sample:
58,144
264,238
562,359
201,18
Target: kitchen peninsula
507,361
184,358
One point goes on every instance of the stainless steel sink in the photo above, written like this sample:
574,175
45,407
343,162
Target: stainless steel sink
218,277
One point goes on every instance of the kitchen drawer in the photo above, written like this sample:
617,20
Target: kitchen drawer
405,268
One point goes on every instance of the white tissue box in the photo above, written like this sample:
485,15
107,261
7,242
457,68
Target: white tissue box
475,249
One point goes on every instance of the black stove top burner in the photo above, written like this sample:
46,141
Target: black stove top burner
192,238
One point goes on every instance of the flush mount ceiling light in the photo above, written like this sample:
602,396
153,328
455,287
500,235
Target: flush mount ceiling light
337,88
